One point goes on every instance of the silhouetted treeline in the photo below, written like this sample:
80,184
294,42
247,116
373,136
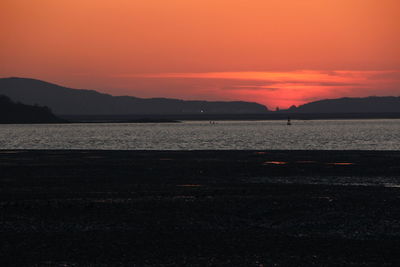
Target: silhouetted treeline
11,112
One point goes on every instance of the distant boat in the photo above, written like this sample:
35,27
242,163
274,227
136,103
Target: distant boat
289,122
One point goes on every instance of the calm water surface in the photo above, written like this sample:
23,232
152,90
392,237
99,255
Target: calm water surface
190,135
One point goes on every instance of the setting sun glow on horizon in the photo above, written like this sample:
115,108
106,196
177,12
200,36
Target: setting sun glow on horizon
276,52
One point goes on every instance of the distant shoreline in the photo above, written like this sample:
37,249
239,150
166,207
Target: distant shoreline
176,118
76,119
102,121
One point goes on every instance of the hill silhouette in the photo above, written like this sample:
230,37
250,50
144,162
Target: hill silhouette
11,112
372,104
67,101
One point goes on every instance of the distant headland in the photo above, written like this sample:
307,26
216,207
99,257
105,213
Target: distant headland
11,112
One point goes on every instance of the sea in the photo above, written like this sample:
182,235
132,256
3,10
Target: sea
368,134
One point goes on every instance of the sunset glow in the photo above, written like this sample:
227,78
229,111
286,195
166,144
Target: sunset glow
277,52
286,88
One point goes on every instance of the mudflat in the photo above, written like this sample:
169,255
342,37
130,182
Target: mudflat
199,208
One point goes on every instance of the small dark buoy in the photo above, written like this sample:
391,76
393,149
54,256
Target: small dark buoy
289,122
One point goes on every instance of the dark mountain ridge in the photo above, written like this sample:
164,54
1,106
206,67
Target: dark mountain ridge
11,112
371,104
67,101
72,102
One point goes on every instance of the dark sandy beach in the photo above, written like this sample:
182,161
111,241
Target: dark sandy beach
199,208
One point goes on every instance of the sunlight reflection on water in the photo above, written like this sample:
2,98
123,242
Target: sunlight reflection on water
242,135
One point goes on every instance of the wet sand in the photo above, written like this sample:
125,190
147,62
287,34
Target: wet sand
199,208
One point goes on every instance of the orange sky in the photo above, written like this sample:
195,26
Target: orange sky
276,52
